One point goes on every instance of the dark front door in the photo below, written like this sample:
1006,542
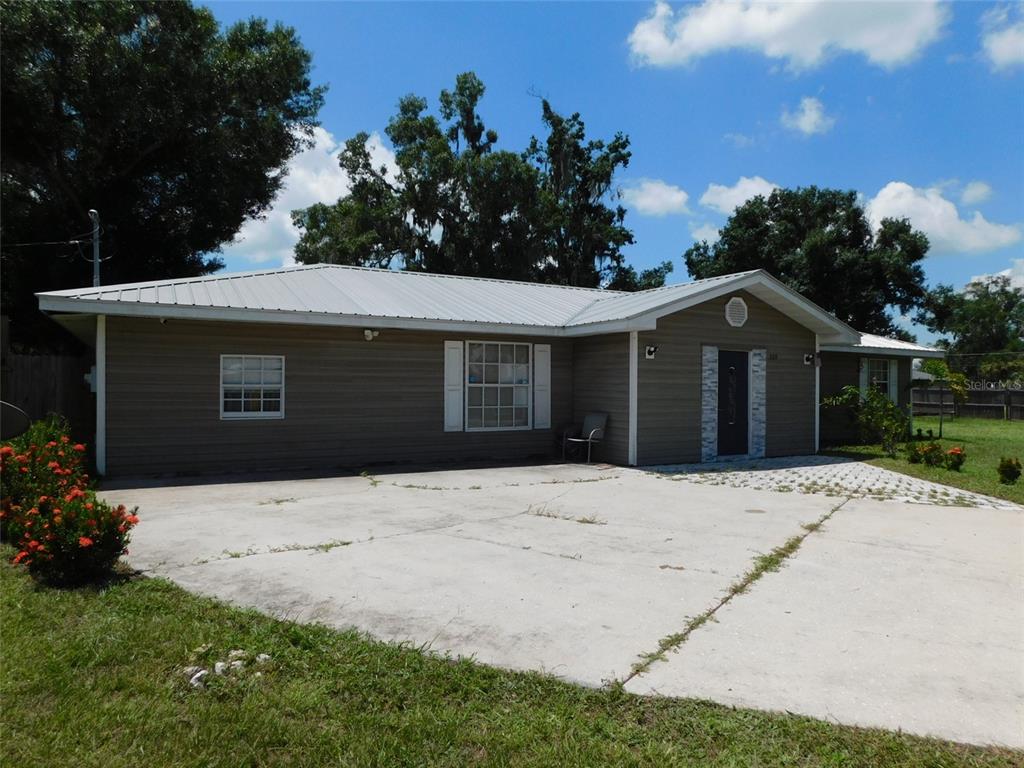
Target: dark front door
732,403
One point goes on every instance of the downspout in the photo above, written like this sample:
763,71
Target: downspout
634,363
100,444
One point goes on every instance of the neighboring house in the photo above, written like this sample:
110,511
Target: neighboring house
329,366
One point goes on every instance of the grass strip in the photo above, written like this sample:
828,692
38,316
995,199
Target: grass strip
763,564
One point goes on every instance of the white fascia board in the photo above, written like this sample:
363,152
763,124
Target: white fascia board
883,351
825,322
50,303
601,327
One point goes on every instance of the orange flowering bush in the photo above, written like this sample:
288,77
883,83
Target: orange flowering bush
955,458
49,512
73,538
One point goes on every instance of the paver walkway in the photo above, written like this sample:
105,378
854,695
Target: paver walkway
828,475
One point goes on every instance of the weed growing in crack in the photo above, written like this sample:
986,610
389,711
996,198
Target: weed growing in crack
766,563
591,520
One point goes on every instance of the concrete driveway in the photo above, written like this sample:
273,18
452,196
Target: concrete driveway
891,614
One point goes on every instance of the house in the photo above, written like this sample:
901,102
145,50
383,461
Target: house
327,366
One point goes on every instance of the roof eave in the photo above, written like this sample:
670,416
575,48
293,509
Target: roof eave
52,303
886,351
774,293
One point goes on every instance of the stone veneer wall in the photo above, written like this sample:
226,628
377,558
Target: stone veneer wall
758,402
709,403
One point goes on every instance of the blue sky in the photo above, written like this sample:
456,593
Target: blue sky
917,106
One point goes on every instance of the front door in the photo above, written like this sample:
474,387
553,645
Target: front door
732,403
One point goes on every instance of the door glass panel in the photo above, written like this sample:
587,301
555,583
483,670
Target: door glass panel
732,395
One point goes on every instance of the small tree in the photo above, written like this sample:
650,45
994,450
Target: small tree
943,376
878,418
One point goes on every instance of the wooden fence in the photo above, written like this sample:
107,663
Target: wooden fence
44,383
988,403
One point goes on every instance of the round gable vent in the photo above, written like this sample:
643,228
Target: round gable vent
736,312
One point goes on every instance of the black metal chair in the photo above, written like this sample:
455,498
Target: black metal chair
590,433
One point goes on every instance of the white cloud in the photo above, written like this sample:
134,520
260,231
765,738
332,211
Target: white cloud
726,199
809,118
739,140
707,232
313,177
1002,41
929,211
654,197
975,192
803,34
1015,272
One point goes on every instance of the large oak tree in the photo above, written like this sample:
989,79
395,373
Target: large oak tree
457,204
175,130
820,243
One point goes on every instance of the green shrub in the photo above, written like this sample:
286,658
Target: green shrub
915,452
74,538
1009,470
41,462
932,455
955,458
878,418
48,511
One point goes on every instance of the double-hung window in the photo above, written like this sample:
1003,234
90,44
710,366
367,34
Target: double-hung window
881,375
498,385
878,375
251,387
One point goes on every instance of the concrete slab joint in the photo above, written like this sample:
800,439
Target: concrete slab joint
758,402
709,403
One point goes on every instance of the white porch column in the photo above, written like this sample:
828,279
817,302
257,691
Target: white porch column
817,394
634,364
100,444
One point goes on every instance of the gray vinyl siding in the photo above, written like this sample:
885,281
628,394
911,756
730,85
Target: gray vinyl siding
669,385
601,385
348,402
839,369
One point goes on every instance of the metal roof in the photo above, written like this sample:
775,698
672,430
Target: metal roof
330,294
356,291
869,342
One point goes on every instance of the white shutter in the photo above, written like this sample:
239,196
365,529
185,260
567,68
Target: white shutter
454,377
894,381
863,377
542,386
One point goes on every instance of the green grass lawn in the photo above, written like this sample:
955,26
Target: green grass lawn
92,678
984,440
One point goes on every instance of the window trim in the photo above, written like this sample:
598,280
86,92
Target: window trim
872,382
250,415
892,388
466,386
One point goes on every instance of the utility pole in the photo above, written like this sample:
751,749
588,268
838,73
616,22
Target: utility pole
95,247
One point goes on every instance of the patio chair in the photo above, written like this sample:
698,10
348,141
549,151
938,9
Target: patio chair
591,432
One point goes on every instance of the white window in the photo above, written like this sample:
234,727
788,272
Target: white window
878,375
251,387
882,375
498,385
